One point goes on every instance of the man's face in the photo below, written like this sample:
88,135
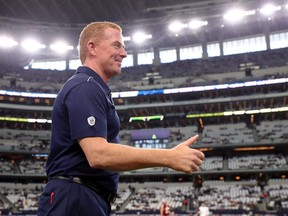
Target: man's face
110,53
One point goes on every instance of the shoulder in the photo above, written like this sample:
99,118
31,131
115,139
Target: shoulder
81,82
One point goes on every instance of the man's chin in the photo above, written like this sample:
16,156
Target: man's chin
116,73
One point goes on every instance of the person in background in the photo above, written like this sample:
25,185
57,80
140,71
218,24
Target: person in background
165,209
86,155
203,210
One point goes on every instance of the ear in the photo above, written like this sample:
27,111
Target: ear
91,47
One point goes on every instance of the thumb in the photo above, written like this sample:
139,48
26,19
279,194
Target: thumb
191,140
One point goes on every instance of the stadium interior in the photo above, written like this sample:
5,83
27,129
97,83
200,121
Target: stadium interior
226,81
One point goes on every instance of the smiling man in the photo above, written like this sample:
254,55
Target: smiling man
85,153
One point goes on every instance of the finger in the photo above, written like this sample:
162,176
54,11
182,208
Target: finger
193,168
200,155
197,164
197,161
191,140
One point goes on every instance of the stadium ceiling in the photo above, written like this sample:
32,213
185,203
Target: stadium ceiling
75,13
123,11
66,18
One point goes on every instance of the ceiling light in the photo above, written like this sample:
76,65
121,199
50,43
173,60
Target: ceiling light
140,37
32,45
269,9
177,26
237,14
61,47
195,24
7,42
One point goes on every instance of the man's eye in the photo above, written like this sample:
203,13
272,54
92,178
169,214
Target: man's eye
117,46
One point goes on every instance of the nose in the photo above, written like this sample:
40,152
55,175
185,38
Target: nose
123,53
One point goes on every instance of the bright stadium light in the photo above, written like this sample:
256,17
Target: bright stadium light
177,26
7,42
235,15
195,24
140,37
61,47
32,45
269,9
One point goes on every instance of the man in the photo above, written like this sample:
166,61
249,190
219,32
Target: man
85,155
